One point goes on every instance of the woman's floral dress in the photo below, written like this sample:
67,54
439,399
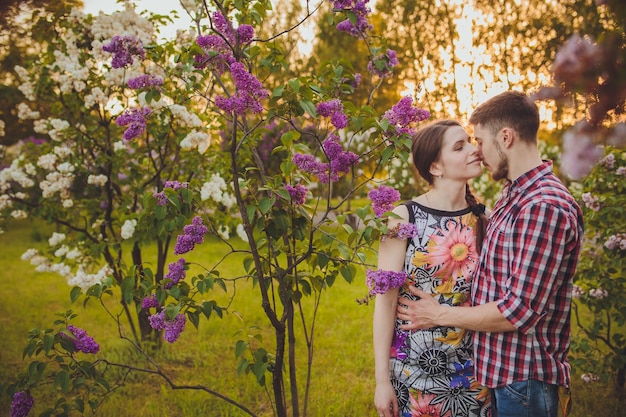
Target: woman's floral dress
432,370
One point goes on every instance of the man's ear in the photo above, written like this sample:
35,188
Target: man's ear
508,137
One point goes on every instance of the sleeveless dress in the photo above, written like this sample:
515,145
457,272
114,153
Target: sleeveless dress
432,370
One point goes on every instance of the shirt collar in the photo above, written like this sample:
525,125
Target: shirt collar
524,181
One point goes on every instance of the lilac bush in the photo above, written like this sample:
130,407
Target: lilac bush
153,148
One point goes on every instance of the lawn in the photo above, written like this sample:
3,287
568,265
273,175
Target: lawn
342,378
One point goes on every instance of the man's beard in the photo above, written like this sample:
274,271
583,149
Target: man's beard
501,170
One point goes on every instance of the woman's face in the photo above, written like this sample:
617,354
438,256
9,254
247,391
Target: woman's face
459,157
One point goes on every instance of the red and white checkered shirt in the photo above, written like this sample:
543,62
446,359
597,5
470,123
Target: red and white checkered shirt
527,264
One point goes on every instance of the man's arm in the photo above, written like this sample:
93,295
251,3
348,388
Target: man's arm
427,312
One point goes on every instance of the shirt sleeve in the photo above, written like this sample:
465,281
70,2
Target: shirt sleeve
538,243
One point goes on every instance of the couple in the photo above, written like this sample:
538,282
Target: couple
483,328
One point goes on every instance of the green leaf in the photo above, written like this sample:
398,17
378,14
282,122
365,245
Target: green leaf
308,107
294,83
265,204
240,348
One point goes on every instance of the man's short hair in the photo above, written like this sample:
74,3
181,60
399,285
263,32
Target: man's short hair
512,109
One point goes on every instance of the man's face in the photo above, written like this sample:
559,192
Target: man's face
489,149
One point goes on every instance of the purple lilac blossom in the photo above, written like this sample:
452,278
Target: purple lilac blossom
173,328
223,26
403,114
591,202
245,33
308,164
383,199
161,198
136,121
176,272
218,56
383,64
124,48
193,234
248,95
82,341
402,231
360,26
380,281
21,404
334,109
176,185
145,81
580,153
340,161
150,302
297,193
341,5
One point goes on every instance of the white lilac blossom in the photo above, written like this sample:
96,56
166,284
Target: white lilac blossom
128,228
84,280
577,292
58,127
56,238
241,232
47,161
25,86
587,378
56,183
96,98
224,232
15,173
24,112
598,293
19,214
617,241
213,189
196,139
99,180
184,117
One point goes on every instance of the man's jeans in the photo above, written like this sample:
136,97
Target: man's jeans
530,398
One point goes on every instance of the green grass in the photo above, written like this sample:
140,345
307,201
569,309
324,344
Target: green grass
342,377
341,381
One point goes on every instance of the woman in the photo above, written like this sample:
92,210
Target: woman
430,372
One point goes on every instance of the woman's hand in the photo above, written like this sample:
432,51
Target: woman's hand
385,400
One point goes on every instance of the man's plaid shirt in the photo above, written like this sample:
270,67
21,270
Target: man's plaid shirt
527,263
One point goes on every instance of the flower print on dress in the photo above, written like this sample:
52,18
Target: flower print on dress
398,345
454,250
456,401
421,405
429,358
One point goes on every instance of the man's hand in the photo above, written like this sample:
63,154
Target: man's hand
418,314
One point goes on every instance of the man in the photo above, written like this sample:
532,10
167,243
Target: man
521,290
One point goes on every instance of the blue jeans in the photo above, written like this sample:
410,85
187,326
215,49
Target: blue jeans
529,398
